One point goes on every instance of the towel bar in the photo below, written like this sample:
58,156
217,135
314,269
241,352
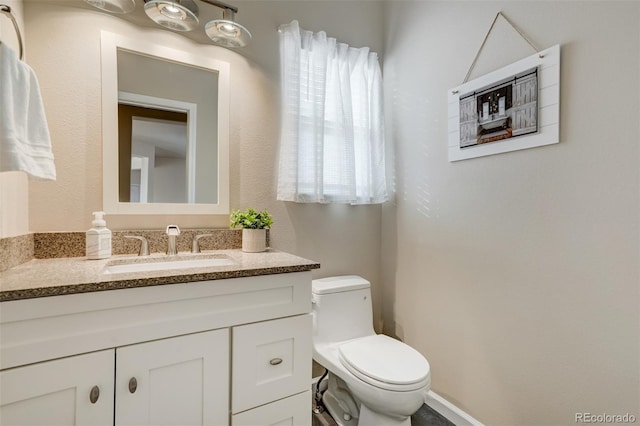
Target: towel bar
7,11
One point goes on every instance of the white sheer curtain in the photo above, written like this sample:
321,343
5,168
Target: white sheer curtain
332,141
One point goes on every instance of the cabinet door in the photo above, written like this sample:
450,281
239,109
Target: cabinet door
178,381
292,411
271,360
70,391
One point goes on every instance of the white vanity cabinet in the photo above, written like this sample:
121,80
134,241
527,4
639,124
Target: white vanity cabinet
203,353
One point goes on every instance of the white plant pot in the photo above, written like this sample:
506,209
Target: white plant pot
254,240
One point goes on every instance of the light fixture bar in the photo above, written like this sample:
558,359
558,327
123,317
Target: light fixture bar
221,5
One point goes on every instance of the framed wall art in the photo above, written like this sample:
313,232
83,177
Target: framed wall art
515,107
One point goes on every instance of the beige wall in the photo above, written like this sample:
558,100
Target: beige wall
64,45
517,274
14,204
14,186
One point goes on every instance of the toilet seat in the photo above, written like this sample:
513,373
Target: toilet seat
385,363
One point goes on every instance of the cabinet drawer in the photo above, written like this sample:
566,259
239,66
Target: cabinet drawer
271,360
292,411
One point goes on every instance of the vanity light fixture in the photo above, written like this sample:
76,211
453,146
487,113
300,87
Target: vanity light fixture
226,32
113,6
179,15
182,15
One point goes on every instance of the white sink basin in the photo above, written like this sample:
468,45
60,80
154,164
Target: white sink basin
166,265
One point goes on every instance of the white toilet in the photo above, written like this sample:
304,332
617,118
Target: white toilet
374,380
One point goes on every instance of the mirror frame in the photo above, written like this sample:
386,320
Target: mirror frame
110,43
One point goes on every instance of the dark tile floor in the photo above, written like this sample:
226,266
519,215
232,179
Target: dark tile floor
426,416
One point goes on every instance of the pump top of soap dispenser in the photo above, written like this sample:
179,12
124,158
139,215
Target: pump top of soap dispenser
98,219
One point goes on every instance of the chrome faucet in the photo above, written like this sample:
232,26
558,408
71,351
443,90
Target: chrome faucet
172,232
195,245
144,244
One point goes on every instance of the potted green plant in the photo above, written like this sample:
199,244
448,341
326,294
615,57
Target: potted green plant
254,226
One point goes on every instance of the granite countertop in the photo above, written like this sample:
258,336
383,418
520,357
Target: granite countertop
55,277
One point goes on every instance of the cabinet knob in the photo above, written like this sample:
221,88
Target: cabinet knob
94,394
133,385
276,361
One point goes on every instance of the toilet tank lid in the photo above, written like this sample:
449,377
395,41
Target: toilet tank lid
339,284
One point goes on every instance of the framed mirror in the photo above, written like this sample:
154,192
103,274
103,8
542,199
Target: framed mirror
165,129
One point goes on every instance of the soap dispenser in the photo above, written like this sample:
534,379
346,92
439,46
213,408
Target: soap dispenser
98,238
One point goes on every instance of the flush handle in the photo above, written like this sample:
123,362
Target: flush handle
94,394
276,361
133,385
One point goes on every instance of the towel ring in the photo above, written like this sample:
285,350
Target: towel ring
7,11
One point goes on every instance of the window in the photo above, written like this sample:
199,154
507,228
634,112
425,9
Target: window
332,141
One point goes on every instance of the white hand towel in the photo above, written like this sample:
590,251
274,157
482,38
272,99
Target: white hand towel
25,143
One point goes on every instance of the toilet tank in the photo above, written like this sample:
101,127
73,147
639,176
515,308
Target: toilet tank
341,308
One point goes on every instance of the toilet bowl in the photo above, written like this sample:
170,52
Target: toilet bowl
373,379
